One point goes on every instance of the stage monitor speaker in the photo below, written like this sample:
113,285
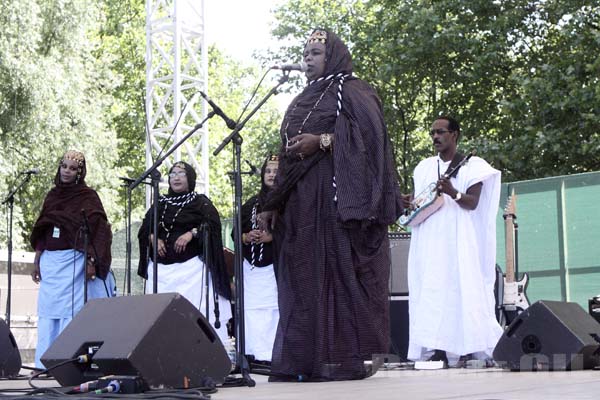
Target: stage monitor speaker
161,338
550,335
399,246
10,358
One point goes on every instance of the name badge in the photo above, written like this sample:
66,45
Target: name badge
56,232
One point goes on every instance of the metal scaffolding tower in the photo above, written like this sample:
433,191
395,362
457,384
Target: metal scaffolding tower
176,70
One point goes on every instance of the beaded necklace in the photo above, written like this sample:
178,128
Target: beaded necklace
177,201
253,246
339,77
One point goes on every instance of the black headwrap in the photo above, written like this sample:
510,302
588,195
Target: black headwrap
366,180
190,174
179,213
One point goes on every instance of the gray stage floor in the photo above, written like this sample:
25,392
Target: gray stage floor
488,384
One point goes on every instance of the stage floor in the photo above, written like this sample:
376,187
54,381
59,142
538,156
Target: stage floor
481,384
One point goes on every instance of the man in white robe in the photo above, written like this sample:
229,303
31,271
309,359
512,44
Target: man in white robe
451,265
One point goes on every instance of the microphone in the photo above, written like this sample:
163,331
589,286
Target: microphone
228,121
301,66
32,171
253,169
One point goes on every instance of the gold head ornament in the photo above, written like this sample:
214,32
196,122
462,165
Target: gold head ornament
318,36
179,164
75,155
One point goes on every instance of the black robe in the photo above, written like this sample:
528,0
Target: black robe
193,215
334,258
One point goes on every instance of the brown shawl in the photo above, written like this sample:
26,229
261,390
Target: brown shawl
63,208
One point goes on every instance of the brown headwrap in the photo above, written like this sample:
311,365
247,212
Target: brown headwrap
73,155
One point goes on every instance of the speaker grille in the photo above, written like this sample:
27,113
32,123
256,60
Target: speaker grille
399,246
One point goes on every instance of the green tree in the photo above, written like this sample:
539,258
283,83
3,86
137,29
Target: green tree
554,124
521,75
233,84
52,97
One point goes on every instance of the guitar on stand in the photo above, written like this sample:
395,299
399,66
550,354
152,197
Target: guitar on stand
514,297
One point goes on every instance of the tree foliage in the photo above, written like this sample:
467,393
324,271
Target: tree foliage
53,94
72,75
233,84
522,76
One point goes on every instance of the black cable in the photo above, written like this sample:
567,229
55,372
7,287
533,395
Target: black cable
91,241
254,92
192,394
45,371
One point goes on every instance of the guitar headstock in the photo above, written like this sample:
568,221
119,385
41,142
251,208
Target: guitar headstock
510,210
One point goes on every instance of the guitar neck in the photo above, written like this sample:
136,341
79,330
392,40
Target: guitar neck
509,235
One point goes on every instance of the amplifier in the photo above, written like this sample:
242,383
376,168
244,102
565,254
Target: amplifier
399,246
594,307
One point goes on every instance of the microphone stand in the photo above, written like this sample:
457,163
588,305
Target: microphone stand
10,200
128,231
155,178
240,343
204,229
516,256
86,238
207,279
128,240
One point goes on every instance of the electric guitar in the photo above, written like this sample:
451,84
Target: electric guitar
515,299
429,200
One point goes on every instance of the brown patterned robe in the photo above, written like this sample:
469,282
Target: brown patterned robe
334,254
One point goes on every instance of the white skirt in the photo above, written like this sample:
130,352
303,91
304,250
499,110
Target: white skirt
261,311
188,279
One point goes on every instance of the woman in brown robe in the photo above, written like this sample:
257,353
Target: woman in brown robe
58,241
335,194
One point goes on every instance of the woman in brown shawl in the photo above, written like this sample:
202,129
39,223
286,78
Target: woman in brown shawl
335,193
58,240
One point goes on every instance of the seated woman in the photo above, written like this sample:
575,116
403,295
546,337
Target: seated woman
184,217
58,240
261,313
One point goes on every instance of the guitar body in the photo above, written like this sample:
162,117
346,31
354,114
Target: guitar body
514,299
515,293
424,205
429,200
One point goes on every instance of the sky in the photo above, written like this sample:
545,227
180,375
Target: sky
239,26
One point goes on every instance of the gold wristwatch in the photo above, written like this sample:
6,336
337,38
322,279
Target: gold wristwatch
325,141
